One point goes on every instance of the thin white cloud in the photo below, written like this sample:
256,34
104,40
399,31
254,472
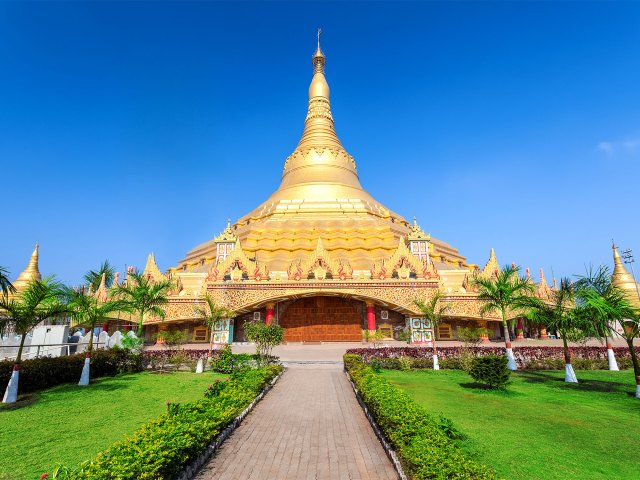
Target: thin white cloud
629,146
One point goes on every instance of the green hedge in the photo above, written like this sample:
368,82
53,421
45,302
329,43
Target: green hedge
491,370
46,372
163,447
426,445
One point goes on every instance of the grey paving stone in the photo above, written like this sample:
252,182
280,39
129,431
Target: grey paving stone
309,426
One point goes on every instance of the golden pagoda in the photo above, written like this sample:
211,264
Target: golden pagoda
31,272
321,256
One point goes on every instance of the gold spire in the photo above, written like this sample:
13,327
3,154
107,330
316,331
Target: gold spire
319,176
492,267
151,268
623,279
29,273
543,288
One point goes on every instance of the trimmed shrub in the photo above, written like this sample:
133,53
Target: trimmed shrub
163,447
491,370
427,446
47,372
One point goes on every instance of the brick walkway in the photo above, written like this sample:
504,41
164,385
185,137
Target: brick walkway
309,426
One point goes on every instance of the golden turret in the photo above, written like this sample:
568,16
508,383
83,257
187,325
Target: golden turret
623,279
151,269
29,273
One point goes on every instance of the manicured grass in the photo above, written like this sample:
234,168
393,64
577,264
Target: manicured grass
541,427
70,424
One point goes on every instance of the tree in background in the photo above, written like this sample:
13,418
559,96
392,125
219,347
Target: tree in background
142,296
508,294
87,310
40,300
211,314
561,315
605,305
434,311
598,280
6,286
265,337
94,277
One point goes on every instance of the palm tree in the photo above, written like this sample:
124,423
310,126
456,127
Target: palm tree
561,314
508,294
607,304
39,301
5,284
94,277
211,314
598,280
434,311
87,310
143,296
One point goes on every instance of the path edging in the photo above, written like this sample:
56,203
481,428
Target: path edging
386,446
192,469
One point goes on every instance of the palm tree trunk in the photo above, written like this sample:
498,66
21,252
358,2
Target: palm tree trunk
636,364
86,368
436,365
11,392
511,364
569,373
139,332
613,365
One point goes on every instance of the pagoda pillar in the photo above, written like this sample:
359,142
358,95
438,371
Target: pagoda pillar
543,332
105,326
159,339
270,316
519,330
371,317
484,335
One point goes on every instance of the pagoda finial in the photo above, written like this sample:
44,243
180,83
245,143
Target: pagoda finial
319,59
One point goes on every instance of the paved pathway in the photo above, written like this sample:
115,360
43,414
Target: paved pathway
309,426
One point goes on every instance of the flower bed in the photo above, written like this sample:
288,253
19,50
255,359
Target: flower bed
163,447
526,357
427,446
165,355
46,372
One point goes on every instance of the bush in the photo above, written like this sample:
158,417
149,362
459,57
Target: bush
47,372
265,337
426,445
491,370
163,447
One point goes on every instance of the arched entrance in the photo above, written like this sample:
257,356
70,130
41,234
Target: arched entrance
322,319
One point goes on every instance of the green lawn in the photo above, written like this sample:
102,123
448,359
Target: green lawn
69,424
541,428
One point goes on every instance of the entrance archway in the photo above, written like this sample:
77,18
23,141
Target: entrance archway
322,319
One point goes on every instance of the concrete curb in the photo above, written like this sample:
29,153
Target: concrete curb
385,444
192,469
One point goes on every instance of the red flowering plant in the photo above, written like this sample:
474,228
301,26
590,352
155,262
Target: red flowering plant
214,389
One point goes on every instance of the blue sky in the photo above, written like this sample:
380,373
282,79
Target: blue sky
127,128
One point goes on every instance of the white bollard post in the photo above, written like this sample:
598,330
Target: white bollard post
200,366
